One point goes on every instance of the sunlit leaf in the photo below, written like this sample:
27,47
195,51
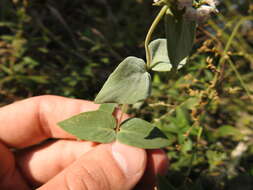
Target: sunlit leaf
128,84
139,133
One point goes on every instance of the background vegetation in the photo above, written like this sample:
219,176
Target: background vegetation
69,48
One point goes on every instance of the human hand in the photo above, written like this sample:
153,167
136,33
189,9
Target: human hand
27,160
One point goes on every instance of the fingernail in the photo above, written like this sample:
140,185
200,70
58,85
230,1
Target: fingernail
131,160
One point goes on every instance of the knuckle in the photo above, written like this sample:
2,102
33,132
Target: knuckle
85,178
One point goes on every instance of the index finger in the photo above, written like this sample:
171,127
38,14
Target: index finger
33,120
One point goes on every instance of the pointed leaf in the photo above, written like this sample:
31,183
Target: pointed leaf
97,126
180,34
107,108
139,133
128,84
159,53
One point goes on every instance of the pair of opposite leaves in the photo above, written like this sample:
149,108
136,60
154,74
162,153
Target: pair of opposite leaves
131,83
99,126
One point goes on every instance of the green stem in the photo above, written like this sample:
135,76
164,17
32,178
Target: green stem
239,78
123,110
194,152
199,135
193,157
150,32
227,47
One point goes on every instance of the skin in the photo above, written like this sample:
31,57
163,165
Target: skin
36,153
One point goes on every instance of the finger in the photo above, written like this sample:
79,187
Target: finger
108,167
10,177
41,163
120,116
35,119
157,164
57,155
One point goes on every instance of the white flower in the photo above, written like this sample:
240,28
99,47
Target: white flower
204,12
212,3
200,14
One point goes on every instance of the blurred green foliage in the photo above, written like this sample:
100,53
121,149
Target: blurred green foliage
69,48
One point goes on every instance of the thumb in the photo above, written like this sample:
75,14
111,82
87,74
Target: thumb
108,167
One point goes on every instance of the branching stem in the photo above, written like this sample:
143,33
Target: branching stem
225,56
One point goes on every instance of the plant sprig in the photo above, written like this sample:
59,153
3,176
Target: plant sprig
130,83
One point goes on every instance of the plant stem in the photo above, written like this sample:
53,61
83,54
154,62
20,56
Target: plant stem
194,150
227,47
239,78
123,110
150,32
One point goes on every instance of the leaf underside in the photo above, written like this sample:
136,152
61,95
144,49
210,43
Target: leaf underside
128,84
109,108
139,133
159,53
180,34
97,126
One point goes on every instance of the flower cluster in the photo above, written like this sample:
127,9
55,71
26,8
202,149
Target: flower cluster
200,13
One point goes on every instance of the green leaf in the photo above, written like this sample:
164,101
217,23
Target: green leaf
227,130
139,133
108,107
215,158
159,53
187,146
180,34
97,126
128,84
